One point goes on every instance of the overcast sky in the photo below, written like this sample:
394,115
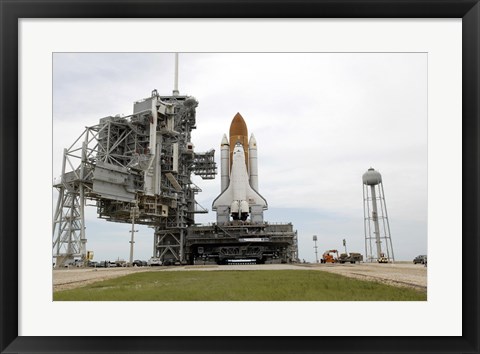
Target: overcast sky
320,120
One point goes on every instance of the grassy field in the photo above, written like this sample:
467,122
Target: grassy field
256,285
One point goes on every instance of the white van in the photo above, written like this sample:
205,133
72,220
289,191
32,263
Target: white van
153,261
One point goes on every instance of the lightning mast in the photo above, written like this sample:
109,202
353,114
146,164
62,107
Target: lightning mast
175,82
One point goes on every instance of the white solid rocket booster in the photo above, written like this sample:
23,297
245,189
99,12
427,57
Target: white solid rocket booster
252,156
224,163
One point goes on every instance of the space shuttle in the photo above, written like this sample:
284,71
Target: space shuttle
239,197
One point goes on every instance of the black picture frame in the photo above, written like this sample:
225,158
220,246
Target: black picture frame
12,10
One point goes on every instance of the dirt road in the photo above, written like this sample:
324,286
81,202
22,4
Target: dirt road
398,274
64,279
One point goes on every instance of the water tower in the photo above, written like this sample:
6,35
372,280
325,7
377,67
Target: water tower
378,241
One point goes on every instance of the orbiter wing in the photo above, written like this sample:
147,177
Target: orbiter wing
226,198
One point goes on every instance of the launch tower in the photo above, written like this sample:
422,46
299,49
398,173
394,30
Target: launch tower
145,160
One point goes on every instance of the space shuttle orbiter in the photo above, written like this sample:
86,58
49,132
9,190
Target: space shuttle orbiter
239,177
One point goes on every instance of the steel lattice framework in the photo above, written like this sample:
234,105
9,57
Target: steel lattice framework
146,158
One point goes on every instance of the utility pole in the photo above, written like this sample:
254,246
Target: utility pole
316,248
134,212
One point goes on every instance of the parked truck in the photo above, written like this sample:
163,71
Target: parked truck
353,257
382,258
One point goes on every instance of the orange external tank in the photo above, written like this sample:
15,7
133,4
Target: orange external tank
238,133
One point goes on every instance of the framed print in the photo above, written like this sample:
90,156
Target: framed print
39,37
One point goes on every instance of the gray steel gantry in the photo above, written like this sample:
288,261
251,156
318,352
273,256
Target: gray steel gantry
146,158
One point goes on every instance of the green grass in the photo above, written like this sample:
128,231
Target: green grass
255,285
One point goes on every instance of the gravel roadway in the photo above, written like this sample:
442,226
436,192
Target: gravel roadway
70,278
399,274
